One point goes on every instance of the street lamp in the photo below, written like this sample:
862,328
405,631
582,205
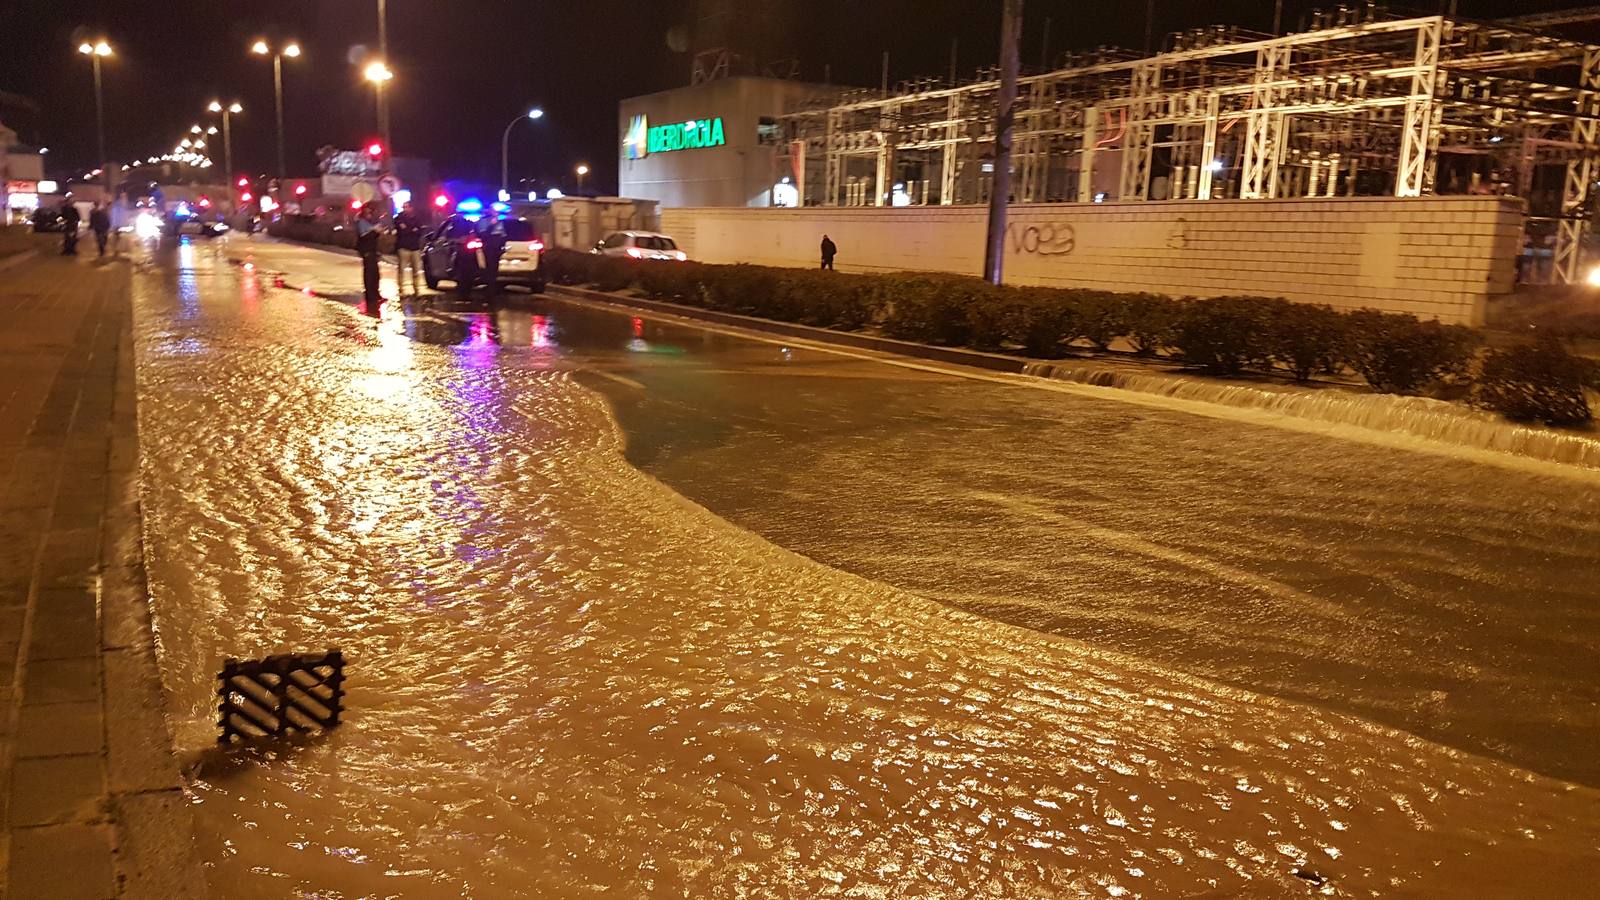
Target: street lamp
227,130
380,74
291,50
582,170
505,143
95,51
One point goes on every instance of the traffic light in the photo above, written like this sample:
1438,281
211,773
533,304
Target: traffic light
244,182
299,190
375,150
246,197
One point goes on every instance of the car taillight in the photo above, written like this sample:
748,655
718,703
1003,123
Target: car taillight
474,244
636,253
536,246
679,255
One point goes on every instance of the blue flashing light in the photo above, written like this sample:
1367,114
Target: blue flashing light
470,205
499,206
472,217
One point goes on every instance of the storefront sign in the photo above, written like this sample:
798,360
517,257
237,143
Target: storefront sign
22,187
695,134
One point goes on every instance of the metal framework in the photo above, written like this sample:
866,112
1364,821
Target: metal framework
1365,103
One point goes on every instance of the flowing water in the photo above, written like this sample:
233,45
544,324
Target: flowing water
567,679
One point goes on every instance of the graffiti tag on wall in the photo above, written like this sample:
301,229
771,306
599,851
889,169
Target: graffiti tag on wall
1048,239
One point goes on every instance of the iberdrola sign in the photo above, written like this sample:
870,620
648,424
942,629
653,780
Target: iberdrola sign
694,134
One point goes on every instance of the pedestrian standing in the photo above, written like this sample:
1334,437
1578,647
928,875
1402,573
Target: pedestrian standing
100,224
408,248
367,235
828,251
70,220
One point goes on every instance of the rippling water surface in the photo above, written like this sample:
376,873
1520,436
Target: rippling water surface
566,679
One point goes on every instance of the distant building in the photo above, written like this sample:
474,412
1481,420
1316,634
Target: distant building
21,171
711,144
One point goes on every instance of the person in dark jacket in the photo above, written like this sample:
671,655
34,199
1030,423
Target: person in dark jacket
828,251
70,220
367,235
100,224
408,248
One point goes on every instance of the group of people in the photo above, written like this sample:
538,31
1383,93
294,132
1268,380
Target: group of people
407,228
72,220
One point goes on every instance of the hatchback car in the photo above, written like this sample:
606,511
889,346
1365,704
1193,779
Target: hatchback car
470,251
640,245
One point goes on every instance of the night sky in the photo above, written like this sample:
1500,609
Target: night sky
464,68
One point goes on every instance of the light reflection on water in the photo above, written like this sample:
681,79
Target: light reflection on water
565,678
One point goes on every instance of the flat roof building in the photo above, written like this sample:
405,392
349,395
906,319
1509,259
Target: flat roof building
711,144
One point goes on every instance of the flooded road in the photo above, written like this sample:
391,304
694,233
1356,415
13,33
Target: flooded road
566,678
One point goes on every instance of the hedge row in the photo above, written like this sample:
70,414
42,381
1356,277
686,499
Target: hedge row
1224,336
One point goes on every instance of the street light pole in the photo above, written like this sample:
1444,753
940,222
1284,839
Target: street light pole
505,144
379,74
227,134
290,50
582,171
1005,114
94,52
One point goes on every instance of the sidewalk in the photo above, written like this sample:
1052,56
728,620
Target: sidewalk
92,805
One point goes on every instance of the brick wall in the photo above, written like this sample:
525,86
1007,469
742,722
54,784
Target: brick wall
1435,257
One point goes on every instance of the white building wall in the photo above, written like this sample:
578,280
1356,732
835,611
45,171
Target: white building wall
1435,257
739,173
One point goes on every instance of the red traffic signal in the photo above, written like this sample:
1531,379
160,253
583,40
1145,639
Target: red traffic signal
244,182
374,149
246,197
441,201
299,190
355,203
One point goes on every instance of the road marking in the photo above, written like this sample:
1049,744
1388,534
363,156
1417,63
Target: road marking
615,377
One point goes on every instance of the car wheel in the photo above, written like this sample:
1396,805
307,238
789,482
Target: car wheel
428,278
536,285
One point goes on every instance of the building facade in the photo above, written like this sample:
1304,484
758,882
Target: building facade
711,144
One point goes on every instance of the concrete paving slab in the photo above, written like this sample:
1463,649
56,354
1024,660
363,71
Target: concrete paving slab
156,860
62,680
69,862
60,729
54,790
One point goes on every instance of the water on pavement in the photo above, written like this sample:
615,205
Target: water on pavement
567,679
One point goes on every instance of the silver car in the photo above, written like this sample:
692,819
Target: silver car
640,245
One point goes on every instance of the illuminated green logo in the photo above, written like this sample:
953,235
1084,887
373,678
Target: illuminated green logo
691,135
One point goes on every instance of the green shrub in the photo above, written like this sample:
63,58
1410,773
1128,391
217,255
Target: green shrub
745,289
933,308
1224,335
1102,317
676,281
1042,320
1150,319
1400,354
1306,339
1538,382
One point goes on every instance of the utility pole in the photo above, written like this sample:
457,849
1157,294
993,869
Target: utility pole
383,95
1005,114
1044,49
1277,18
955,44
884,84
1149,25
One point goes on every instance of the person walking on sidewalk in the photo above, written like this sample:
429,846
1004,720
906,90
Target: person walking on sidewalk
100,224
828,251
70,220
367,235
408,248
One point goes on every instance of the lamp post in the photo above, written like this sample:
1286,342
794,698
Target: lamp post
290,50
95,51
227,131
380,74
534,114
582,170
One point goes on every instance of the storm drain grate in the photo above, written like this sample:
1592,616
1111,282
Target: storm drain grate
280,695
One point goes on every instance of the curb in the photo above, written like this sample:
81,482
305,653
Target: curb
993,362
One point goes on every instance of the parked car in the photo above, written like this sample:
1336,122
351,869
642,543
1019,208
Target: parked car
46,219
640,245
463,250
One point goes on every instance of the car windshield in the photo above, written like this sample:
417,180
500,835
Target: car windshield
518,230
656,242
